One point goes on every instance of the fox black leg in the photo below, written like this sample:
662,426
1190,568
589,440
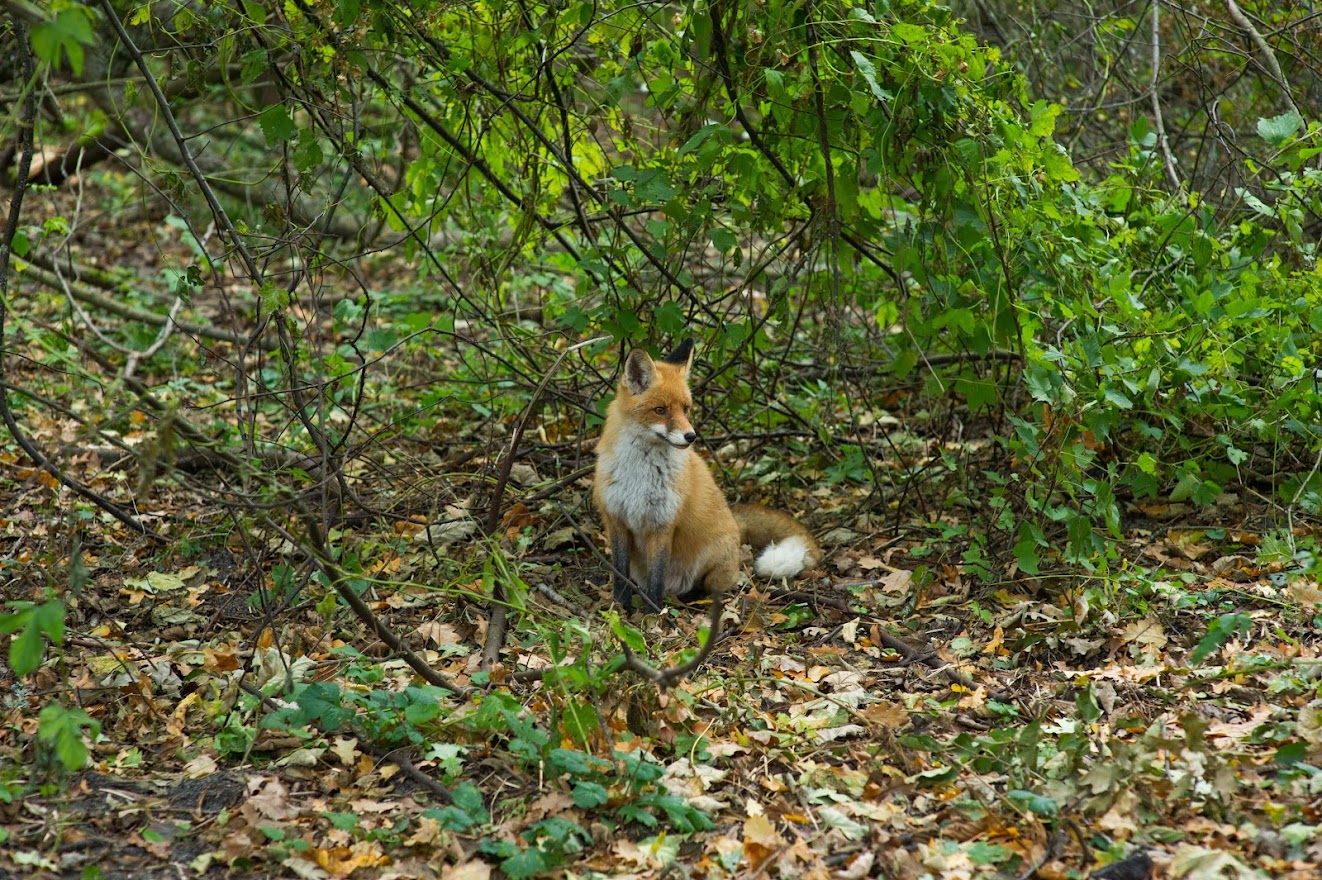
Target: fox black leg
620,562
656,579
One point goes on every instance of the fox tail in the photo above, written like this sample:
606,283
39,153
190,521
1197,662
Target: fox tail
783,547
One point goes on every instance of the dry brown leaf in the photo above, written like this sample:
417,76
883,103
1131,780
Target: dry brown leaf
346,749
269,798
475,869
898,582
1305,592
342,861
427,833
1147,634
761,840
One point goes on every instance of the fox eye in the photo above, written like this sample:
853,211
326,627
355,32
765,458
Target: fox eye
660,410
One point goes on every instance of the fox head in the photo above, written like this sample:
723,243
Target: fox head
655,394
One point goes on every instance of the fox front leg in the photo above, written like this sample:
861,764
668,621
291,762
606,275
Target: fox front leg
657,554
656,578
620,562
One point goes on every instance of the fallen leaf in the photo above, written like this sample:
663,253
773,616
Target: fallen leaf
426,833
269,797
475,869
761,840
346,749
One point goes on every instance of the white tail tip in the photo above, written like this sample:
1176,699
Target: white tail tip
782,559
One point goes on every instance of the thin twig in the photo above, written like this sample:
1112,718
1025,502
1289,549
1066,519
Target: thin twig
339,580
167,116
507,460
1156,99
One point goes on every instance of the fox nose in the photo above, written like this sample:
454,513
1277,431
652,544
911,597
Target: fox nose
690,437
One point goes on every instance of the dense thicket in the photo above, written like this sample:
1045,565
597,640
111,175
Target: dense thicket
1099,235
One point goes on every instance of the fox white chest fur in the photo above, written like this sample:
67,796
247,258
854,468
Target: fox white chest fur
639,477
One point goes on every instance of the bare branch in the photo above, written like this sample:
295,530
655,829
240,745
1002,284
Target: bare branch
1268,56
1158,120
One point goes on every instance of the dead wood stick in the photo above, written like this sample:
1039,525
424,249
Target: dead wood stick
671,675
85,293
318,555
928,658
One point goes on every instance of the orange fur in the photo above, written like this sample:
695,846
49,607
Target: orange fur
670,528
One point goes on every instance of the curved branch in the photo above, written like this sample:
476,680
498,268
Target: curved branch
318,554
671,675
85,293
1268,56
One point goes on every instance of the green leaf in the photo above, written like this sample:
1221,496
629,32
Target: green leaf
669,318
1043,118
1059,167
699,137
61,730
1025,553
1221,631
1289,754
983,853
421,712
342,821
307,155
589,795
869,72
653,185
1279,129
570,761
1185,486
528,863
346,12
1117,398
64,35
276,125
1081,543
25,651
38,623
723,240
912,34
627,634
1037,804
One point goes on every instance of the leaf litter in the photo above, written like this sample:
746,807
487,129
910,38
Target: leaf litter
889,715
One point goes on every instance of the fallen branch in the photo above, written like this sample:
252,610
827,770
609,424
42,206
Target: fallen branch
669,676
497,626
928,658
85,293
339,580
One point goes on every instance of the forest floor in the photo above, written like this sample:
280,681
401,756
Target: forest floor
859,722
890,714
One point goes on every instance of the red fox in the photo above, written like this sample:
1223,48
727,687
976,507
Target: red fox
670,529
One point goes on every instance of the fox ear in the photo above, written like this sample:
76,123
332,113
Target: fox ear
682,355
639,371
